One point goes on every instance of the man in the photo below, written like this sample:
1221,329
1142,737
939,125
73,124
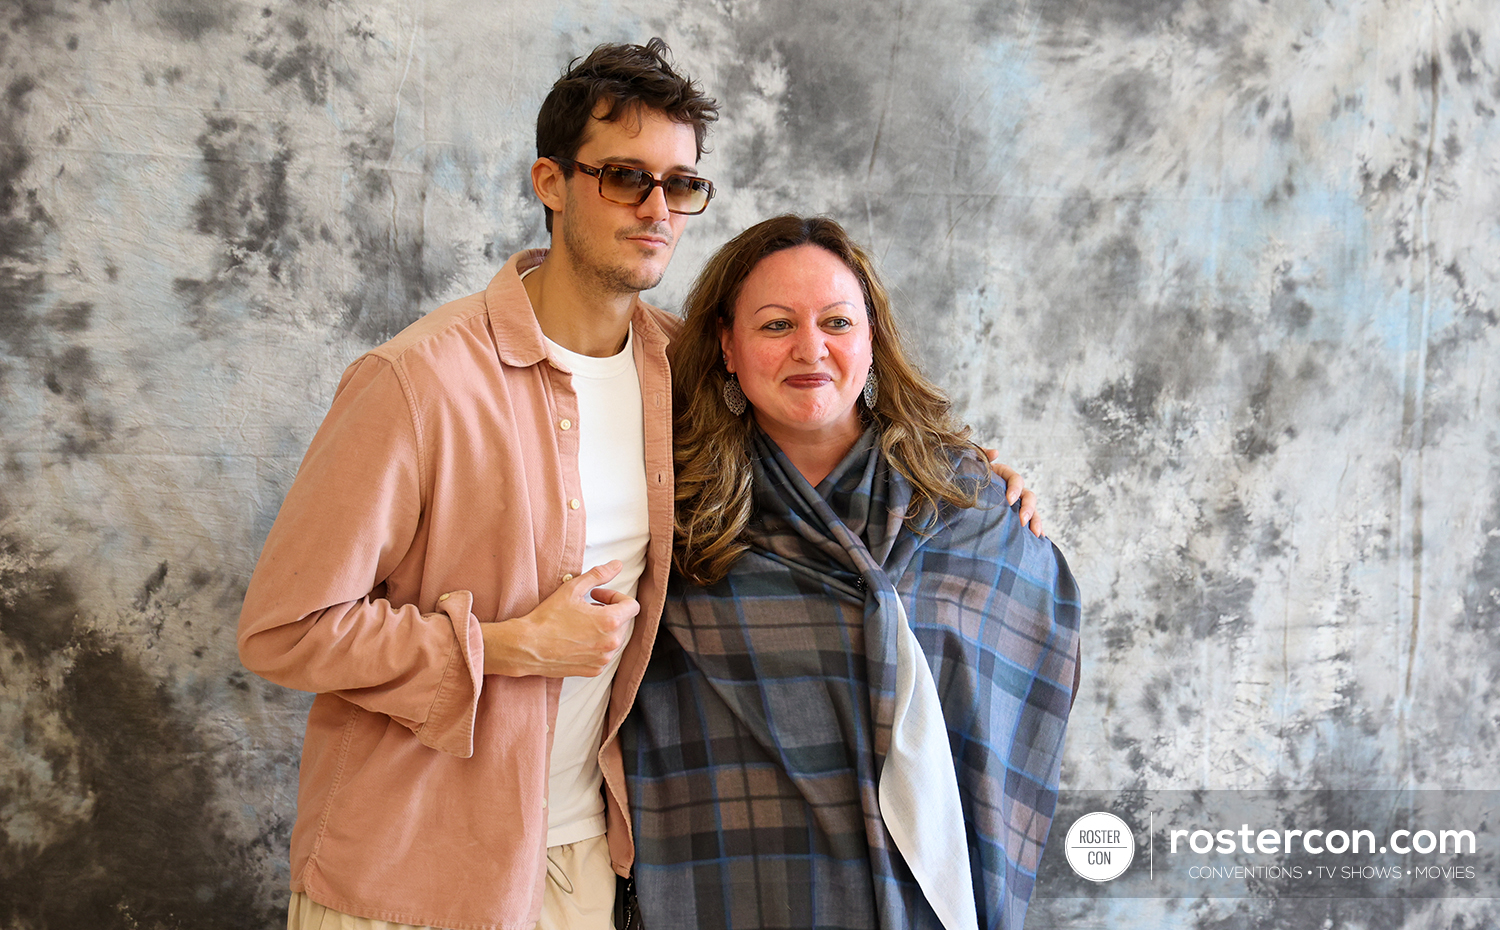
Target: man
426,575
470,566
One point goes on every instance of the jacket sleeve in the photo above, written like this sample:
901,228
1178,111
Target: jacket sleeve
315,617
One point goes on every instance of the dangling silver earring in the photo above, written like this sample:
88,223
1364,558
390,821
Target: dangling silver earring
872,389
734,395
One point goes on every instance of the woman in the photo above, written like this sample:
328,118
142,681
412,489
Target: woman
796,756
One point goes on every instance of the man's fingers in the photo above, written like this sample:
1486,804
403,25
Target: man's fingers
600,574
1028,506
611,597
1027,514
607,595
1029,517
1014,483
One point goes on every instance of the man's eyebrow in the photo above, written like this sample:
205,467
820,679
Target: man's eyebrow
638,163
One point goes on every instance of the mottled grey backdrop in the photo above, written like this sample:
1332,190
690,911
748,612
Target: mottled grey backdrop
1220,276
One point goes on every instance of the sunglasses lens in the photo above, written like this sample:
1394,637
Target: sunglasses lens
687,195
624,185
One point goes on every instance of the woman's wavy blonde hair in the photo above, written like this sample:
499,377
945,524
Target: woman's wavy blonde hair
710,444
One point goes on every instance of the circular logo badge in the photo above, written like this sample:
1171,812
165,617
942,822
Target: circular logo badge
1099,846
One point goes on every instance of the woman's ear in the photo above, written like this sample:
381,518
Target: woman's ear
726,344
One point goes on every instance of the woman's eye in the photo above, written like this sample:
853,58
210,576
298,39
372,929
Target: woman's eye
838,323
777,326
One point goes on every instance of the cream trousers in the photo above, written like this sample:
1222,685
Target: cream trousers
580,895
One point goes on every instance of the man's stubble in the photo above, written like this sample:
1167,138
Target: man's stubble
608,277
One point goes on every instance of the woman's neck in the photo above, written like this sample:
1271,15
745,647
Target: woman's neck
814,454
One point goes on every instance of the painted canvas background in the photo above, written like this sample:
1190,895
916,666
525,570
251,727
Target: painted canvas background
1220,277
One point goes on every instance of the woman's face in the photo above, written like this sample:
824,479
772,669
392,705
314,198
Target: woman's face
800,345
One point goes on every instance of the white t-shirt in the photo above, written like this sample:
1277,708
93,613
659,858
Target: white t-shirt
612,471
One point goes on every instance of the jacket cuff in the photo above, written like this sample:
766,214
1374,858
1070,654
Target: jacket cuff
449,726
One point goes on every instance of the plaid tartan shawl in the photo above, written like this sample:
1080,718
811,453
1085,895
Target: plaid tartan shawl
755,746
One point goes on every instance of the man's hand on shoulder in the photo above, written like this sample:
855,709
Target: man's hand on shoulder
568,634
1015,489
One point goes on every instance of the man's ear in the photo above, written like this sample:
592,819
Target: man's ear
548,182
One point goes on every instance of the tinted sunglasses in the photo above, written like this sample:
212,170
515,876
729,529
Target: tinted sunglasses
631,186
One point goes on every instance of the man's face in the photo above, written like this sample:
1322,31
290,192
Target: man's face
619,248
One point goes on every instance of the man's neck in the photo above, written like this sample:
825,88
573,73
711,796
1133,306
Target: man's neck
578,317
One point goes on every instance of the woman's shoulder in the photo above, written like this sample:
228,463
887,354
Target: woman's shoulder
971,472
991,519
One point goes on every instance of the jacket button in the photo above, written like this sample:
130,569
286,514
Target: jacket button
444,597
566,424
568,577
573,504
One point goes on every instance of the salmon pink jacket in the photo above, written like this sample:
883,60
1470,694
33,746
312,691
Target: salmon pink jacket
440,493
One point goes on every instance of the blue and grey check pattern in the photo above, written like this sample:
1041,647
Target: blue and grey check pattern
754,749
